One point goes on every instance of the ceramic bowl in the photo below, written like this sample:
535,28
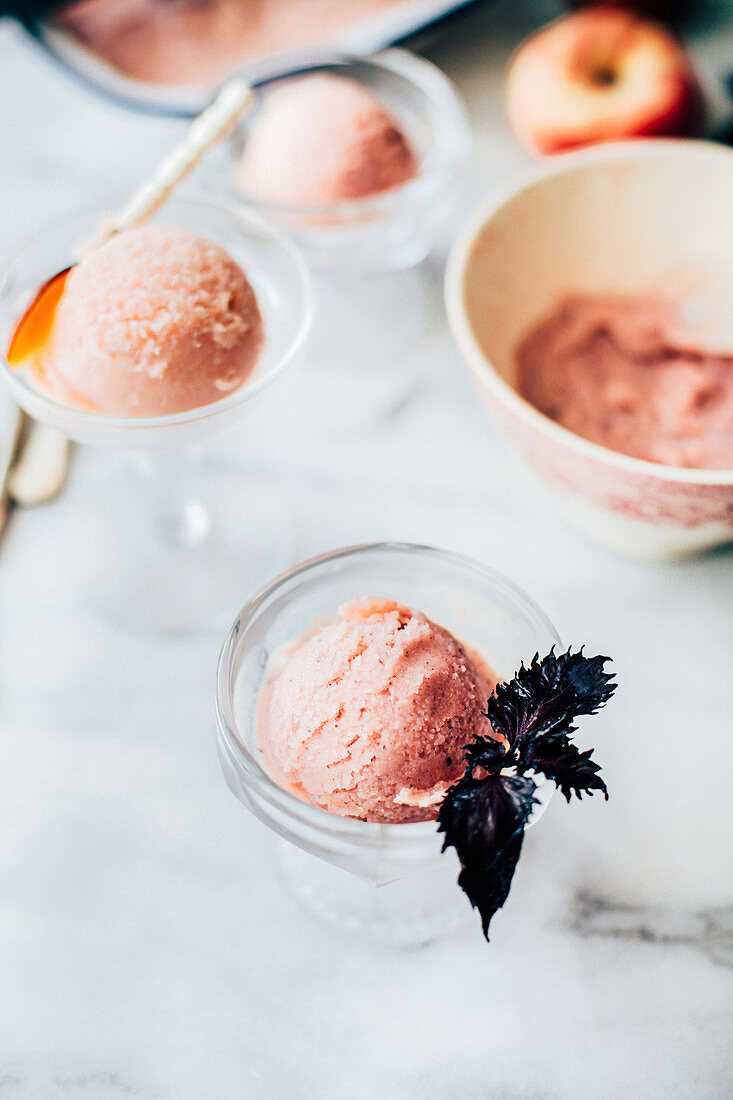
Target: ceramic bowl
611,219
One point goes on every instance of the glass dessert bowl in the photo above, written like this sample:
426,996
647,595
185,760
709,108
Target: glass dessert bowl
396,226
388,882
160,535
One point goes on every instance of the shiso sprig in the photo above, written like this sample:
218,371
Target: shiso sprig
484,814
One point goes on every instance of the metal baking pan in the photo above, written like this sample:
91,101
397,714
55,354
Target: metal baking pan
396,26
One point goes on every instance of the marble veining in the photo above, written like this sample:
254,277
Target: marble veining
709,930
148,945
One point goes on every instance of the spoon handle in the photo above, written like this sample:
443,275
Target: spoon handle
39,471
209,128
16,431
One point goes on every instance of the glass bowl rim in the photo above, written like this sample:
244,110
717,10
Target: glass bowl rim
245,393
363,833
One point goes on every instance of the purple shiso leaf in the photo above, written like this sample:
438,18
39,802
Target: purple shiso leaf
571,770
484,814
545,696
484,820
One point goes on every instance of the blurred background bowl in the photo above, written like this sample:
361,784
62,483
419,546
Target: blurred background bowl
391,229
609,219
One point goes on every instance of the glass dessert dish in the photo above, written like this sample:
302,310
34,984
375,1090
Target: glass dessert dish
393,228
163,531
389,883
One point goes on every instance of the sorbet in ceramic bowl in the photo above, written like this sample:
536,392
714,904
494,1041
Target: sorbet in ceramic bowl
626,372
583,302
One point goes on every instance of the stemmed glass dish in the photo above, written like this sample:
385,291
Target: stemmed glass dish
389,883
161,538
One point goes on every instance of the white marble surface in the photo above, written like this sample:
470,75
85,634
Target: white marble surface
147,945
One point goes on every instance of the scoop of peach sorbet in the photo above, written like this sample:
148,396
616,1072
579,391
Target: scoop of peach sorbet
155,321
369,715
324,139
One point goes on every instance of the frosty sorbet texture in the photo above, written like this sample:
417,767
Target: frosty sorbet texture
324,139
368,716
155,321
619,372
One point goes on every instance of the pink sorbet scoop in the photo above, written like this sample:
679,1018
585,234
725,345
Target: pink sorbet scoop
324,139
155,321
369,715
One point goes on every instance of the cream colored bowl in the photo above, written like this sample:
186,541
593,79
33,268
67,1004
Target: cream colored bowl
612,219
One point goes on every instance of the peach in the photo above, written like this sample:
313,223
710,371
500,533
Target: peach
601,74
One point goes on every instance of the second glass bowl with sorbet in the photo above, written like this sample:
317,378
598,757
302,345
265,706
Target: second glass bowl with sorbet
360,159
347,692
